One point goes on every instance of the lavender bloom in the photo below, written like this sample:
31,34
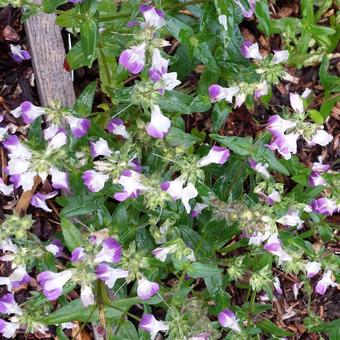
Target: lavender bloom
280,57
217,93
17,278
86,296
18,54
131,182
55,247
286,145
79,126
153,17
159,125
111,251
324,206
174,188
8,329
260,168
319,166
94,180
28,112
292,218
149,324
53,283
100,148
325,282
217,155
228,319
273,246
8,305
78,254
110,275
59,179
312,269
146,289
39,200
273,197
277,126
198,209
159,66
116,127
250,50
133,59
315,179
201,336
296,102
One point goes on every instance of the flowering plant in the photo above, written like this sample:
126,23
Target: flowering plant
163,221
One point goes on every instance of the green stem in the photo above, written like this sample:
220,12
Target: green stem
251,307
170,7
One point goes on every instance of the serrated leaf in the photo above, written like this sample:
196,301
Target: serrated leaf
240,145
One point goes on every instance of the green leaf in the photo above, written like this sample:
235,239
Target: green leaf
75,311
273,162
175,101
200,104
197,269
72,235
240,145
84,102
88,40
270,328
262,14
75,57
127,331
179,137
50,5
220,114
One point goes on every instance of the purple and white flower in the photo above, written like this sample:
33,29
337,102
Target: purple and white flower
28,112
277,126
86,296
201,336
116,127
280,57
198,208
325,282
320,137
8,305
78,254
55,247
59,179
110,252
133,59
8,329
296,102
217,93
227,319
168,82
159,66
149,324
131,182
79,126
153,17
17,278
100,148
315,179
174,188
292,219
161,253
261,89
273,197
39,200
110,275
312,268
216,155
19,54
274,247
94,181
188,193
146,289
324,206
260,168
250,50
319,166
53,283
159,125
286,145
